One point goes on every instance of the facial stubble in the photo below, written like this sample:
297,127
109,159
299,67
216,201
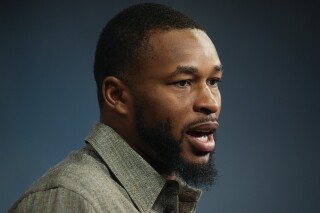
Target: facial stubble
169,152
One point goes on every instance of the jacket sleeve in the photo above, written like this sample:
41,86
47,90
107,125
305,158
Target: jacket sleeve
53,200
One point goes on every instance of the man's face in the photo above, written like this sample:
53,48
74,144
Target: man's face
177,100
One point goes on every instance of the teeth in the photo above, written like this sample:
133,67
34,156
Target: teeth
203,138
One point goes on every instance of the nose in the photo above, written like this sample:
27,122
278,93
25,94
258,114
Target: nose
207,101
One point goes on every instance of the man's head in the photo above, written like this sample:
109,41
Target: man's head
157,72
123,43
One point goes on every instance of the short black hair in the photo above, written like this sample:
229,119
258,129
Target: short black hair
124,40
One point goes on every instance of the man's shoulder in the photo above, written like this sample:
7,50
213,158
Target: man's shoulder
83,175
81,170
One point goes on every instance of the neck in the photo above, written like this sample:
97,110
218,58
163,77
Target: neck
156,163
166,173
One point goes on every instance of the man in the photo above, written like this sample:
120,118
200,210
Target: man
157,73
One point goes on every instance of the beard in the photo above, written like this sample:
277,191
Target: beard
169,152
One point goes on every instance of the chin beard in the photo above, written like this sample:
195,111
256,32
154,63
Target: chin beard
168,151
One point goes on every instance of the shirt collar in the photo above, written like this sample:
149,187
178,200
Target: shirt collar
140,180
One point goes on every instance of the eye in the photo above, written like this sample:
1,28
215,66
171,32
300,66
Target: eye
182,83
213,82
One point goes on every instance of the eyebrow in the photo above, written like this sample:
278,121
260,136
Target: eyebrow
218,68
190,70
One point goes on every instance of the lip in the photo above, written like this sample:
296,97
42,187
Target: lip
205,126
203,144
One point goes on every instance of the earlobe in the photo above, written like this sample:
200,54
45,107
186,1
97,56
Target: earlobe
115,94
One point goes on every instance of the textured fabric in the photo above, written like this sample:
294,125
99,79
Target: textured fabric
107,175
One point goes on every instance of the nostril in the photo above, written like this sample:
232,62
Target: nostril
205,111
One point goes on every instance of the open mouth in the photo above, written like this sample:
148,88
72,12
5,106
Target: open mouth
201,136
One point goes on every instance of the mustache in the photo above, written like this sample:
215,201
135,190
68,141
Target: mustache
199,121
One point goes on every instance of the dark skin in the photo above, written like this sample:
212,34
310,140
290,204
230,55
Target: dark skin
179,85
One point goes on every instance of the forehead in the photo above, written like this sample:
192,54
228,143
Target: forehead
173,48
173,39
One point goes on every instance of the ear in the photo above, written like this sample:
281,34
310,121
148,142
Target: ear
115,95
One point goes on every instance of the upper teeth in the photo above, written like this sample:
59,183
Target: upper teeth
203,138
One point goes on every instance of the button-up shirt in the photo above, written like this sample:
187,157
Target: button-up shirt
107,175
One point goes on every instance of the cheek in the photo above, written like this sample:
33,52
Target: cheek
218,98
167,109
160,102
158,110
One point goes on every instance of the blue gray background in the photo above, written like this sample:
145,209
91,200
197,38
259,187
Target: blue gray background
268,148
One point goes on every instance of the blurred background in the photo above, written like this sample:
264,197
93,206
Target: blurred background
268,147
